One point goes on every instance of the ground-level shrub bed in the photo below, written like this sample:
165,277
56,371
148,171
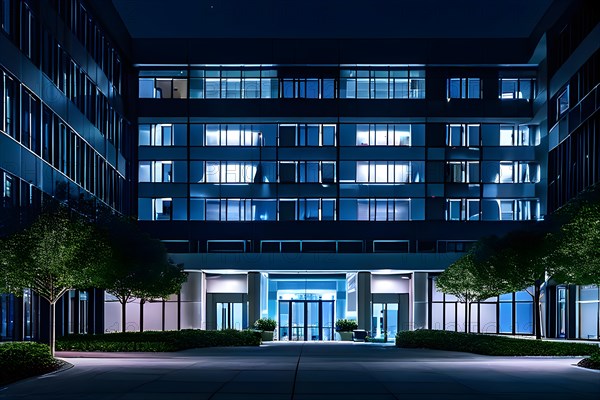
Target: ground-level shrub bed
19,360
158,341
592,362
490,345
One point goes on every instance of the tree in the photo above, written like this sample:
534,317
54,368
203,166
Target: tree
58,252
575,252
468,281
139,266
516,262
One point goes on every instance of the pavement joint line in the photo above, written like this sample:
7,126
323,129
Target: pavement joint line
296,372
375,378
223,385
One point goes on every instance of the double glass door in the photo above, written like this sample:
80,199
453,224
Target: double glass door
229,316
385,321
303,320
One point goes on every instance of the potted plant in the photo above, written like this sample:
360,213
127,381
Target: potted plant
345,327
266,326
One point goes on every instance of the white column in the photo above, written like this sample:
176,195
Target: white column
193,301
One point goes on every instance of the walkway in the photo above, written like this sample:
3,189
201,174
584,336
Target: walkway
297,371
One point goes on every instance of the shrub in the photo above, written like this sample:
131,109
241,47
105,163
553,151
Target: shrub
489,344
345,325
592,362
20,360
152,341
265,324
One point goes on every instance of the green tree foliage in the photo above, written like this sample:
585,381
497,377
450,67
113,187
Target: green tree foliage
575,253
519,261
139,266
57,253
498,265
468,281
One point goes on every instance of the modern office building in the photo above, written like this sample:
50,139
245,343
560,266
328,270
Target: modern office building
64,137
311,172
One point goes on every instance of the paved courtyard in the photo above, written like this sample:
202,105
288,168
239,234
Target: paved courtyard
302,371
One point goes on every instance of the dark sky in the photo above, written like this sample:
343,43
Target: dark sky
330,18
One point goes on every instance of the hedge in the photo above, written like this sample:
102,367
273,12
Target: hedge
490,345
19,360
152,341
592,362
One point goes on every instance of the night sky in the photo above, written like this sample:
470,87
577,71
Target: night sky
331,18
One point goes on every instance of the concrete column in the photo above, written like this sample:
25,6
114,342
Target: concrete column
253,297
420,300
193,301
364,300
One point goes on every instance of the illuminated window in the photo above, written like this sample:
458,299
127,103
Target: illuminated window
517,88
562,103
464,88
463,135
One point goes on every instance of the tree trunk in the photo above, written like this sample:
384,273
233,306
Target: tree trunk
142,301
538,310
163,315
467,325
123,312
52,328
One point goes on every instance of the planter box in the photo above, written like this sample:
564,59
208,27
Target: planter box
345,336
266,336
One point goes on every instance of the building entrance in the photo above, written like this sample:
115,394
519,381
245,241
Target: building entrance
385,321
305,320
229,316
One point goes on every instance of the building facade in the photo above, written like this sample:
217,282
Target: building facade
64,138
309,179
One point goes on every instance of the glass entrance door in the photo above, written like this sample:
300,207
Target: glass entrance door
385,321
304,320
229,316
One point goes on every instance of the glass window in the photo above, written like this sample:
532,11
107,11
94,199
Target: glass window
163,209
382,84
507,137
464,88
506,172
328,210
507,210
562,102
146,88
463,135
328,88
212,88
517,88
473,210
328,135
197,209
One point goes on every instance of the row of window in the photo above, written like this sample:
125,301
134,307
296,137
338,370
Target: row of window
492,210
323,209
323,246
19,22
579,93
510,313
73,81
92,37
492,172
382,84
325,171
33,124
353,84
404,135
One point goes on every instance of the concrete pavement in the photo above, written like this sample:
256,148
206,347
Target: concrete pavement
302,371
